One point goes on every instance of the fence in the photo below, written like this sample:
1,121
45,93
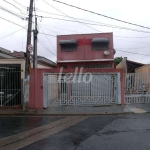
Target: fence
137,88
10,85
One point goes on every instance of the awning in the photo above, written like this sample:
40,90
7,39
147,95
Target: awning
61,42
97,40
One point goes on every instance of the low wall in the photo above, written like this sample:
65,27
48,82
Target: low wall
36,83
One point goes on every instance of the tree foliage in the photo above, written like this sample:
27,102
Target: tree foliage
117,60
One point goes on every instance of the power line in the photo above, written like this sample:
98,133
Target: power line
115,49
47,38
12,22
132,52
113,35
12,33
42,44
136,48
102,15
60,28
14,6
49,29
4,9
106,25
70,17
117,39
134,41
78,21
109,25
20,5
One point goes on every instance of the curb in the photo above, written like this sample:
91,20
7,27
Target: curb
64,114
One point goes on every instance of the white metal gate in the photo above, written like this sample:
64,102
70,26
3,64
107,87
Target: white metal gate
76,90
137,88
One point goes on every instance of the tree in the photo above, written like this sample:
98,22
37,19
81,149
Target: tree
117,60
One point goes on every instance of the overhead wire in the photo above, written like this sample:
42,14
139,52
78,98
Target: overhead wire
13,22
106,25
128,40
47,38
9,11
70,17
60,28
89,21
78,21
101,24
115,49
120,39
20,4
101,14
43,45
48,29
15,7
12,33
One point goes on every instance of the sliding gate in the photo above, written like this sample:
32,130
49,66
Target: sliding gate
10,85
81,90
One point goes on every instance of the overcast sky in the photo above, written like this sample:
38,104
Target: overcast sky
132,11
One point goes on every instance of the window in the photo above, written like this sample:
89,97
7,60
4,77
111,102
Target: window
100,43
68,45
99,66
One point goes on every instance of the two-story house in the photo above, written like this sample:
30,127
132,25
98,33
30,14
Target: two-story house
85,50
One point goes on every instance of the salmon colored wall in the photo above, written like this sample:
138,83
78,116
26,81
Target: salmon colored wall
70,64
84,48
36,84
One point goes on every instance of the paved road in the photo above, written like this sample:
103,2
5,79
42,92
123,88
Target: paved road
123,132
14,125
101,133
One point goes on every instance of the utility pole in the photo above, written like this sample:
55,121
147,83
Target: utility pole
29,39
27,65
35,45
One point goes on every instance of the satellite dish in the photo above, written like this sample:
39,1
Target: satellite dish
106,53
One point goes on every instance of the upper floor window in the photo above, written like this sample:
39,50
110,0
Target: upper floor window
100,43
68,45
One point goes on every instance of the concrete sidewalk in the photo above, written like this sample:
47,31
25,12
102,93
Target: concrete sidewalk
69,110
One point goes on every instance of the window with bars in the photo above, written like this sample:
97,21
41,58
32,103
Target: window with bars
100,44
68,45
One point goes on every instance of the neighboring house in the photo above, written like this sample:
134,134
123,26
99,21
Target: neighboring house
145,68
12,74
11,79
42,62
128,66
85,50
5,53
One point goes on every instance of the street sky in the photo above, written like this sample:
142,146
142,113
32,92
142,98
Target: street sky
130,41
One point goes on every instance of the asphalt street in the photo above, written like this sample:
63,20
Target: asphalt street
109,132
14,125
130,132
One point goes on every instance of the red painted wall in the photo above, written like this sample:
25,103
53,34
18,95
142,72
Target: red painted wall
84,48
36,84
